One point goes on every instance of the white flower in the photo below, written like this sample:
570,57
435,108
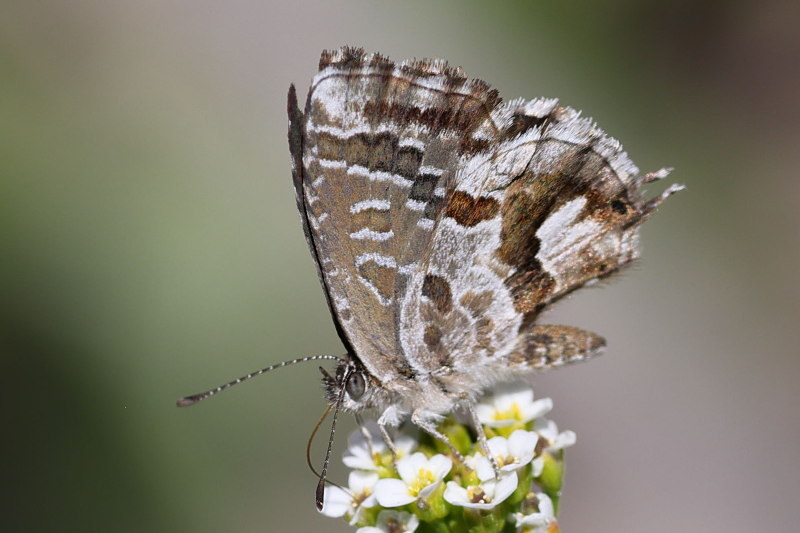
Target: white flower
419,476
361,456
548,430
538,522
514,452
392,522
340,502
511,404
486,495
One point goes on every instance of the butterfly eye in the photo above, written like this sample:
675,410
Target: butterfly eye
355,385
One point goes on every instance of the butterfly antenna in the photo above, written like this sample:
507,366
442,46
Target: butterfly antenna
320,494
308,451
194,398
313,436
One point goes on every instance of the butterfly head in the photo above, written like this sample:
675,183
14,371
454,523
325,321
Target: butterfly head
352,385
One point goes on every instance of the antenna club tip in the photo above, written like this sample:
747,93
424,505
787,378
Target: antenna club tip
320,495
187,401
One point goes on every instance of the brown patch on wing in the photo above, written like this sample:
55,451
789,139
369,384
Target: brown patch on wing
381,277
531,199
438,291
520,123
407,161
329,146
433,338
484,327
606,202
374,219
469,211
523,214
477,303
374,151
424,187
432,207
456,112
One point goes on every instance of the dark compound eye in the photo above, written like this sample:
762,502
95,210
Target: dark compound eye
355,385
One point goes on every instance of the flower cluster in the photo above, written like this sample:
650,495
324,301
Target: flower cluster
424,488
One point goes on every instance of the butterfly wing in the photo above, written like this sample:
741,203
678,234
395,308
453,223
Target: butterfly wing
548,205
443,220
371,155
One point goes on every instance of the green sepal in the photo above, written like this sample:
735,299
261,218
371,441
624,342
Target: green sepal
524,481
458,436
552,476
432,508
438,526
369,517
489,521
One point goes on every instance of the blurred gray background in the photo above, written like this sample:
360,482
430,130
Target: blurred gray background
150,249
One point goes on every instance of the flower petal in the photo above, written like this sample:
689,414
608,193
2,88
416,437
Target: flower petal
548,430
392,493
359,482
564,439
337,502
538,408
405,444
359,453
455,494
390,521
538,520
505,487
409,467
440,465
483,467
537,466
522,446
426,491
515,395
499,446
546,505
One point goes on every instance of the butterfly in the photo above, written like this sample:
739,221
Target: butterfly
442,221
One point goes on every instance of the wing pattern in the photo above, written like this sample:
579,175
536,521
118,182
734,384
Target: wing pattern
443,219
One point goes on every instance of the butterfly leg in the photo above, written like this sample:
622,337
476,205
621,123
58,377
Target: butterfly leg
482,441
427,421
365,433
392,417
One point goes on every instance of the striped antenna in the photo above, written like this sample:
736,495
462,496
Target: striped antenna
194,398
308,452
319,496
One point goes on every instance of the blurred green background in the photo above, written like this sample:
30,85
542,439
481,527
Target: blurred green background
150,248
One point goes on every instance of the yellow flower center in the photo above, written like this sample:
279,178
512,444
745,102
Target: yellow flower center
476,495
424,478
359,498
507,460
512,413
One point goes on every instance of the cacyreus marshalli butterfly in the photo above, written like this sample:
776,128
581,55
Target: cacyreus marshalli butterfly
442,221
